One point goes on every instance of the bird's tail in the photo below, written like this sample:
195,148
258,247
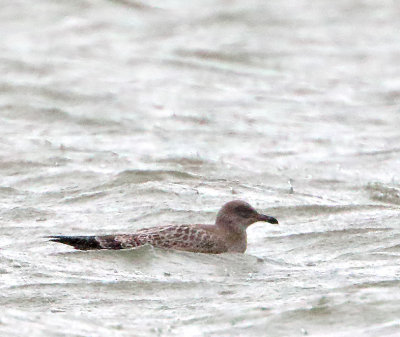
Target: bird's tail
78,242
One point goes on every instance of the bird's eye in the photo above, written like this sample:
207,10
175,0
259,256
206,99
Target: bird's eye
244,211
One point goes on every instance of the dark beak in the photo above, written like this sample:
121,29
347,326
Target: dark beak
267,218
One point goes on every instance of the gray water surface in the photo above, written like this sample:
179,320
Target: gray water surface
118,115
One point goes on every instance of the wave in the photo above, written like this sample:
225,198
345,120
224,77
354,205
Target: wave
384,193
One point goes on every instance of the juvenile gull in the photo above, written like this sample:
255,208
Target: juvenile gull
228,234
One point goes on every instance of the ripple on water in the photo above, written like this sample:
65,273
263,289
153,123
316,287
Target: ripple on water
318,210
384,193
23,213
142,176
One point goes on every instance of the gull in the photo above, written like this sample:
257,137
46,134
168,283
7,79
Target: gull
228,234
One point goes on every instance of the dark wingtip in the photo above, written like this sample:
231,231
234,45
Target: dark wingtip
78,242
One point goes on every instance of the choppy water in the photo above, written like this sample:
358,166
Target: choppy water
116,115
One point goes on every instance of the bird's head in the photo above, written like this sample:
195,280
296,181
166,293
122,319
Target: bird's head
241,215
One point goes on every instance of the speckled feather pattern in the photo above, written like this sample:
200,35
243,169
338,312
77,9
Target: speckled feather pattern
181,237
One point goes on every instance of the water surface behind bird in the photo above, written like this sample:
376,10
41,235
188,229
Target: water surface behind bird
120,115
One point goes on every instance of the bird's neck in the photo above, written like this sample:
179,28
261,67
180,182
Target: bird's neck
236,236
232,230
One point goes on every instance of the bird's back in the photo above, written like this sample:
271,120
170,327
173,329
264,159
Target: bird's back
194,238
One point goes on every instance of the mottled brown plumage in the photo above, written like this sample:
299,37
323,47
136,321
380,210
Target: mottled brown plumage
228,234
